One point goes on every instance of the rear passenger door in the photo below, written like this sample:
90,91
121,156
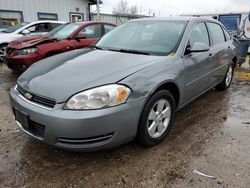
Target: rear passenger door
220,52
197,65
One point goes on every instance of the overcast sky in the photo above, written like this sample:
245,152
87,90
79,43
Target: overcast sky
175,7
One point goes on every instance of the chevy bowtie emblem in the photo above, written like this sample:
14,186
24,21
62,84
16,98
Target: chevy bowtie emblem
28,96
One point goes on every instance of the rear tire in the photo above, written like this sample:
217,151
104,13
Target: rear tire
156,118
227,79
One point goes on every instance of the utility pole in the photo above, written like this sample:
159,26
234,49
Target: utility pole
98,10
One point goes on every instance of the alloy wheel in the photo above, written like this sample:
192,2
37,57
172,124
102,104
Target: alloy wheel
159,118
229,75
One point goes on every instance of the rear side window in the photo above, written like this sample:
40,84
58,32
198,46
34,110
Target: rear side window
199,34
108,28
216,33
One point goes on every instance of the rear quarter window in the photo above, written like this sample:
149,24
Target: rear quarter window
216,33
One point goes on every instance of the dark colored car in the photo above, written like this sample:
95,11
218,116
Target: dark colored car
22,53
128,86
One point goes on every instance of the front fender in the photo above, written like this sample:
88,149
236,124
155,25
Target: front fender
144,83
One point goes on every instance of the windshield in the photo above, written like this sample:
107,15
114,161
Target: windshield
14,28
152,37
64,31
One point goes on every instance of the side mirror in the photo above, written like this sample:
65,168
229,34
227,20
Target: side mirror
198,47
80,36
25,32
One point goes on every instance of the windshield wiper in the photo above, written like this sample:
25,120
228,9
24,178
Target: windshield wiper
96,47
130,51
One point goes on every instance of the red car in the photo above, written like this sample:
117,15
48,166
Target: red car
22,53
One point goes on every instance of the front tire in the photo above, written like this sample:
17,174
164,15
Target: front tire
227,79
156,119
2,52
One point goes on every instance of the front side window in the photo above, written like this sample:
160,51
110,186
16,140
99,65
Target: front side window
216,33
40,28
153,37
198,34
91,31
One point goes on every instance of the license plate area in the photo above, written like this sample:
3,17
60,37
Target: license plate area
22,118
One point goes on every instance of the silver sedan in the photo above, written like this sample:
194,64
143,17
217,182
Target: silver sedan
128,85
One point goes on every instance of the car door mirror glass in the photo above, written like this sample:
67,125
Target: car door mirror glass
198,47
25,32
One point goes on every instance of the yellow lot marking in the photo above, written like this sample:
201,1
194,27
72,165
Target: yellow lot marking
243,75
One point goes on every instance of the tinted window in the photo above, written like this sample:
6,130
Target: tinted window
92,31
153,37
108,28
216,33
199,34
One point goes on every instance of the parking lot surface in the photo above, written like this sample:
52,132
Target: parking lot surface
210,135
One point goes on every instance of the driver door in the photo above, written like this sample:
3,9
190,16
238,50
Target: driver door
91,34
197,64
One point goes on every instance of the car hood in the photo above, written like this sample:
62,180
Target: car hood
61,76
30,41
7,37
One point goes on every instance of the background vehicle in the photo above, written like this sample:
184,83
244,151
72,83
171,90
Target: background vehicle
20,54
238,24
102,97
19,30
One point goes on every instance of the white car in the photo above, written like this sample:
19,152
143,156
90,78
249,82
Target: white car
22,29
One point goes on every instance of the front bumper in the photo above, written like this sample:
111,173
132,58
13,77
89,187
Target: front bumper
88,130
21,63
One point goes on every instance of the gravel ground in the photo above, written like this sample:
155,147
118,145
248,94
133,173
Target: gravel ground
211,135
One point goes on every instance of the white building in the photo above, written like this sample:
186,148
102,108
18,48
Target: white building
16,11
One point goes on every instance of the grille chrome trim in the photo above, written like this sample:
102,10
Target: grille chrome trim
21,95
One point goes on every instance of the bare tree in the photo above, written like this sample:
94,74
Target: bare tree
133,10
121,7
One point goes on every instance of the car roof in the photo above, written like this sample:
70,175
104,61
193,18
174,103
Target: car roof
45,21
176,18
93,22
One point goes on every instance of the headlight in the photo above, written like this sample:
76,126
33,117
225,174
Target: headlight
100,97
26,51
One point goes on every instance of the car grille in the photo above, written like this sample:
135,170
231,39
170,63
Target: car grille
50,103
9,51
90,140
36,129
